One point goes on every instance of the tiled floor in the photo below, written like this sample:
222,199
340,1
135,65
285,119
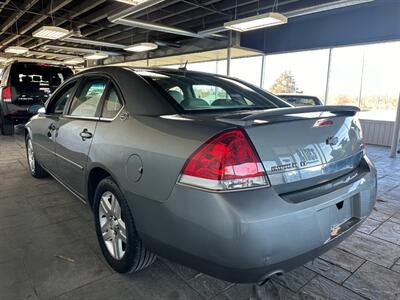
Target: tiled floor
48,249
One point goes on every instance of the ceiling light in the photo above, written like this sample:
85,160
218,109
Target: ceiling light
141,47
16,50
133,2
256,22
50,32
3,59
96,55
74,61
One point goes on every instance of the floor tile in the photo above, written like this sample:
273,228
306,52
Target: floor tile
371,248
388,231
328,270
322,288
343,259
375,282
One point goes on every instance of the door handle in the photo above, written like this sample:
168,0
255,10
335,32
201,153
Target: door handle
85,134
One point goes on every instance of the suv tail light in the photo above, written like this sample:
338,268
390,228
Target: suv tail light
6,94
227,161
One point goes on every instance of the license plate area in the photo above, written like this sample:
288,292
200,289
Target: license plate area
338,217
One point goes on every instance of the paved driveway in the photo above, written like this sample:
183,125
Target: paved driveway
48,249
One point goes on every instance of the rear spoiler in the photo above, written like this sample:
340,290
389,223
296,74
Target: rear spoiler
288,114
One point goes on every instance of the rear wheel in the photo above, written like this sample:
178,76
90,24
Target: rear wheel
34,167
116,230
6,126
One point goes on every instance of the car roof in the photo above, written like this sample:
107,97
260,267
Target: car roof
162,70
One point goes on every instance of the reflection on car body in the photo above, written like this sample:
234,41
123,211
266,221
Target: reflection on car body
234,182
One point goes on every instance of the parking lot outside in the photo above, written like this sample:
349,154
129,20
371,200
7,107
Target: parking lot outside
48,249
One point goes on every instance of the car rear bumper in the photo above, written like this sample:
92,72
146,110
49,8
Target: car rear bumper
249,235
20,113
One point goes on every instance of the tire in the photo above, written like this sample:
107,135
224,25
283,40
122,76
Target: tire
127,256
34,166
6,126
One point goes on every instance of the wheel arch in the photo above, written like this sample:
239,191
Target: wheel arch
94,175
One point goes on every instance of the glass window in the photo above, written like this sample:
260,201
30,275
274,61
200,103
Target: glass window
207,92
58,103
247,69
112,104
86,101
296,72
210,93
345,75
301,100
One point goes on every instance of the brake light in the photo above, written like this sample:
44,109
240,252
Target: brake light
227,161
6,94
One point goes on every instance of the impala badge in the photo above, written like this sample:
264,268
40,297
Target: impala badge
332,140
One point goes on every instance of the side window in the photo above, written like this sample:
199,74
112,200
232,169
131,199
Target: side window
57,104
88,97
176,93
112,103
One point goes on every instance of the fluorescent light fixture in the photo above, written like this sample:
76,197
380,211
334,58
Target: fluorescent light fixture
50,32
74,61
16,50
257,22
141,47
133,2
96,55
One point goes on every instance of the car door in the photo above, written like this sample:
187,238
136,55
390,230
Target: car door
75,131
44,131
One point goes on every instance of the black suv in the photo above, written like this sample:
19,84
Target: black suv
24,88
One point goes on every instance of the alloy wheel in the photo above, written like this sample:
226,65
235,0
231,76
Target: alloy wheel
112,225
31,157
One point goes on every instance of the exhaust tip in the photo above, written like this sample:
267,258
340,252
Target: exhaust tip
267,277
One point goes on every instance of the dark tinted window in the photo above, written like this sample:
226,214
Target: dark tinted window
37,79
194,91
88,97
112,103
60,99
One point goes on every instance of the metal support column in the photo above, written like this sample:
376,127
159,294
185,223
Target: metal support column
262,71
229,55
396,131
328,74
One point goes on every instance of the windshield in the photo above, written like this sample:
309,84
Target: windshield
195,91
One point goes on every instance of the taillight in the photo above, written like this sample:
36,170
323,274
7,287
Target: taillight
227,161
6,94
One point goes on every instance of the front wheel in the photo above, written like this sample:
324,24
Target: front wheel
34,166
116,230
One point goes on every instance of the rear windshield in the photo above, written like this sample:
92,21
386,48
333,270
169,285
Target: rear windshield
37,79
197,92
300,100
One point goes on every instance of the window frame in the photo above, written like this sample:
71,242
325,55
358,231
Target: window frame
61,92
111,84
83,80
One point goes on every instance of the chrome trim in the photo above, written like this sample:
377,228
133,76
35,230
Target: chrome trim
67,187
70,161
44,148
302,173
82,118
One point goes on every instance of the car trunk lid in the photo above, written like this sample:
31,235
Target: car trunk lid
305,146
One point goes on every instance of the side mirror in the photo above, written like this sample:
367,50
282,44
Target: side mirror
42,110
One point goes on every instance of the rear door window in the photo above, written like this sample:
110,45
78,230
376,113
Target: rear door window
87,99
112,103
